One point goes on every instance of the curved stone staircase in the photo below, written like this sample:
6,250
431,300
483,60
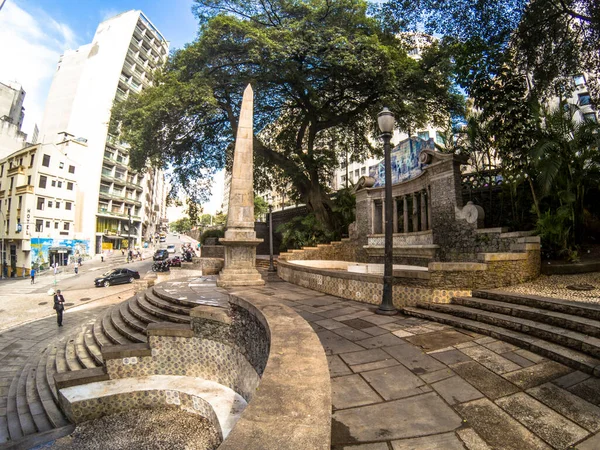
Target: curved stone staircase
562,330
32,402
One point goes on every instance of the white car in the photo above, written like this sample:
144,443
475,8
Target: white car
171,248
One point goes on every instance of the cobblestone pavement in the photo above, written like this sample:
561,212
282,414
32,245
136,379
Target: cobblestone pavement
555,286
405,383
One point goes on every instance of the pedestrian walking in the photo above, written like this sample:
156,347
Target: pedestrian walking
55,268
32,273
76,268
59,307
24,271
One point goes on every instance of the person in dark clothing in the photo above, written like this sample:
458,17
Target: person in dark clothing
59,307
32,273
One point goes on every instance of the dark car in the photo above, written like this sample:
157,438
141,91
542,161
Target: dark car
117,276
161,255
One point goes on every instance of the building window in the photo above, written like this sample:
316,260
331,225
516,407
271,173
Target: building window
343,178
590,117
49,204
61,165
20,161
47,224
53,183
59,184
29,180
43,181
423,135
9,205
20,201
39,225
69,186
71,169
66,226
68,205
439,138
1,170
57,205
40,203
46,161
56,225
31,161
363,170
12,181
584,99
579,80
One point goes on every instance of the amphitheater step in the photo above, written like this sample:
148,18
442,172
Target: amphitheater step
36,408
143,316
98,333
581,324
91,345
157,301
123,327
56,417
111,332
587,310
130,319
61,358
564,355
71,356
25,418
51,370
161,314
558,335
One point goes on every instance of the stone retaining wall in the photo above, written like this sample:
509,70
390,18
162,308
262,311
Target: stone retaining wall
212,251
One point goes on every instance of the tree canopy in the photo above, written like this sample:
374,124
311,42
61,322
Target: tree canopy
320,69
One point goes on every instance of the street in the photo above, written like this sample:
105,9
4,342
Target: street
23,302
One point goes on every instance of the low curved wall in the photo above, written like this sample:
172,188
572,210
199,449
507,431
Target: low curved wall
257,348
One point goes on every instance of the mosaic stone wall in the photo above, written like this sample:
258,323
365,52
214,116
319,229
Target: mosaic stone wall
95,408
344,250
192,357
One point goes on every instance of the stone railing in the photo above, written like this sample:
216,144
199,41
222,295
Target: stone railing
214,368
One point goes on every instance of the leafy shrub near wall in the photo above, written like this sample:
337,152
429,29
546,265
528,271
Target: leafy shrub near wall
304,231
214,233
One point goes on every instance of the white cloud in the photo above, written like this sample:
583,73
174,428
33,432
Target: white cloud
32,42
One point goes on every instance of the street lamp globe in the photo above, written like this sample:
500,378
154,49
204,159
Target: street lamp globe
386,121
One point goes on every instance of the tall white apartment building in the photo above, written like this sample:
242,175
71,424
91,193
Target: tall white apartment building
120,204
12,113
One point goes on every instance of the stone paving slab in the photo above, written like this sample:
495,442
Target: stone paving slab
446,441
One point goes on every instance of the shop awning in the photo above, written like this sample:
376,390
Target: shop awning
116,238
60,250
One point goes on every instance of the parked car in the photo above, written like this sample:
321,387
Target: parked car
160,255
171,248
117,276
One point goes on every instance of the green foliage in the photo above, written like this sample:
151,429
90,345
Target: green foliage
344,210
320,72
183,225
554,228
261,208
219,219
213,232
304,231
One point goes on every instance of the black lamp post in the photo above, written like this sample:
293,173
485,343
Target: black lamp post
385,119
271,266
129,252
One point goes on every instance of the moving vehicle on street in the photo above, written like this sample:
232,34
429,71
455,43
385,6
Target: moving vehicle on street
161,266
160,255
175,261
171,248
117,276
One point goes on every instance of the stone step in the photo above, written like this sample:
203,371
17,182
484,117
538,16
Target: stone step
98,333
25,418
558,335
111,332
12,414
81,352
576,323
55,415
181,301
92,346
123,328
588,310
51,370
566,356
161,314
159,302
36,409
61,358
130,319
138,312
70,356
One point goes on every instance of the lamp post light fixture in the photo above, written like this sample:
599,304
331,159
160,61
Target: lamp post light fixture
271,266
385,120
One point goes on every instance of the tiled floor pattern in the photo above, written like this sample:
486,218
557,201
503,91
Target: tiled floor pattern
404,383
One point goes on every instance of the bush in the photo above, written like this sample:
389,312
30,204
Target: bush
303,231
554,228
214,233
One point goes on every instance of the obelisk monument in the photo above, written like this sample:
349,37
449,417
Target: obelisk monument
240,238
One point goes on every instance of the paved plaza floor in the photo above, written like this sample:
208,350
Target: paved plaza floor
404,383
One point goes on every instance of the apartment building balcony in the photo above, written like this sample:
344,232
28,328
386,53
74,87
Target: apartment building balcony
25,189
2,193
107,176
17,170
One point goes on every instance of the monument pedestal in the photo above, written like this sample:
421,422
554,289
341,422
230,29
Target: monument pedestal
240,263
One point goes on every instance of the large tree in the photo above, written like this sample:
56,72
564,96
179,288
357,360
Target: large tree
320,69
